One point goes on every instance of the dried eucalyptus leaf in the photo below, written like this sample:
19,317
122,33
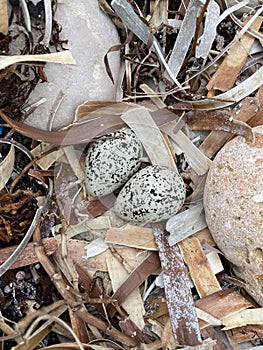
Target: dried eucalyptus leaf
213,12
6,167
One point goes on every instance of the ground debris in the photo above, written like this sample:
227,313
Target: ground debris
190,80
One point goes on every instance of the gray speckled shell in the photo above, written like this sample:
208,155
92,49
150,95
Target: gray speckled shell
111,162
153,194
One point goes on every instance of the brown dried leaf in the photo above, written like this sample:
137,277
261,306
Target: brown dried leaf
86,130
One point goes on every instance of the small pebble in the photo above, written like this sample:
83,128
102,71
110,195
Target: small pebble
153,194
111,161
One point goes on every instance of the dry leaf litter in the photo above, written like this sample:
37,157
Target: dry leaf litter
131,174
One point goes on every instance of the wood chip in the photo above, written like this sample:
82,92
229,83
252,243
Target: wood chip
177,290
142,271
132,236
4,17
222,303
200,270
243,318
186,223
247,333
76,250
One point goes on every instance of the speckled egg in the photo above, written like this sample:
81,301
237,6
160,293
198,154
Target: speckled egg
233,202
153,194
111,161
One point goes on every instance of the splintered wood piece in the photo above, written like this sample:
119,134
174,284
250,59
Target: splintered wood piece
132,236
221,304
147,267
247,333
243,318
3,17
28,255
133,304
211,333
177,290
226,75
199,267
143,238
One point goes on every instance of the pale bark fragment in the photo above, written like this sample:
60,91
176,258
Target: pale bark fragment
178,292
3,17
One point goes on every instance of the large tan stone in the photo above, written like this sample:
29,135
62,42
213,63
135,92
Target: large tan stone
233,201
90,33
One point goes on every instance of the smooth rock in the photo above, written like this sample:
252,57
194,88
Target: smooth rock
153,194
233,202
90,33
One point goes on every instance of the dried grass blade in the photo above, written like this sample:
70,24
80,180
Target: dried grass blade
85,130
177,290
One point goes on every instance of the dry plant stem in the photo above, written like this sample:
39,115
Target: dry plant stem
77,308
64,254
57,320
6,329
25,322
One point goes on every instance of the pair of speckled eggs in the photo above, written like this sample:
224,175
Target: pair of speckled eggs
151,194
